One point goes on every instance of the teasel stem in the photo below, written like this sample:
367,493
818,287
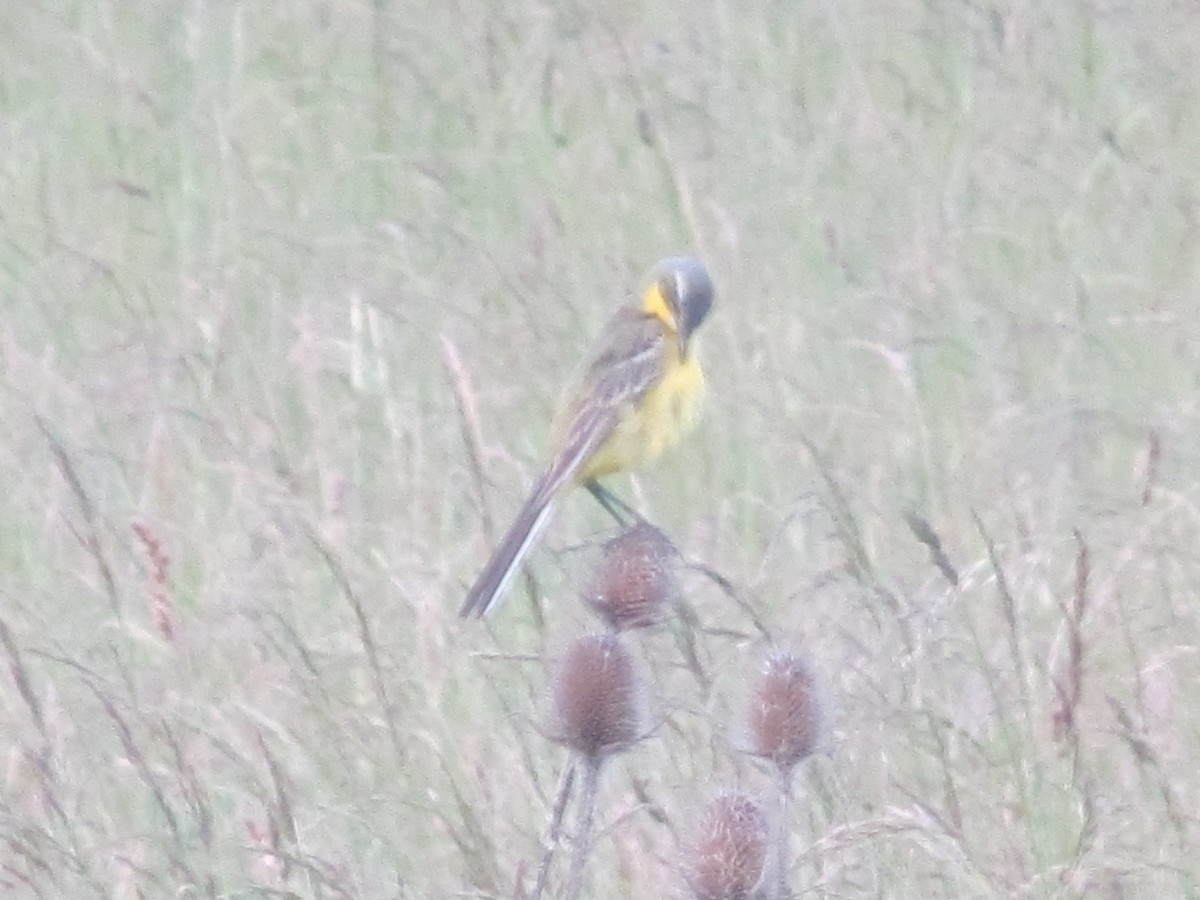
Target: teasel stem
554,832
783,784
583,829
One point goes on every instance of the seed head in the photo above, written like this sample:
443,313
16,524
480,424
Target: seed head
786,711
729,856
597,697
635,579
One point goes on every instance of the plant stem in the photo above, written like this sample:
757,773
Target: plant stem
783,783
583,829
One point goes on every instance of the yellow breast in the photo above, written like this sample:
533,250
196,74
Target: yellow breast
665,415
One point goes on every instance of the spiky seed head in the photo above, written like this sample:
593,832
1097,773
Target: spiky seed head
597,697
636,578
729,855
786,716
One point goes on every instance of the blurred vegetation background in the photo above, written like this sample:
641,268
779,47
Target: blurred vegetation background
288,293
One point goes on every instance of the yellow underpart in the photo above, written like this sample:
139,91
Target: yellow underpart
666,414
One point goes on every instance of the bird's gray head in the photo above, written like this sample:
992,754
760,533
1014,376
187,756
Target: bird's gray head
684,287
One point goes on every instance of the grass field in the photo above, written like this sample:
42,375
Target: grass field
288,293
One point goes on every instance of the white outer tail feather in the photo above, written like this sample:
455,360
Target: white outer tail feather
514,564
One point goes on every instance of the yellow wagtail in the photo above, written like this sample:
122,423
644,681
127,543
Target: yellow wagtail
640,394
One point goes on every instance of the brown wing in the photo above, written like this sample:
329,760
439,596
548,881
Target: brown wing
628,361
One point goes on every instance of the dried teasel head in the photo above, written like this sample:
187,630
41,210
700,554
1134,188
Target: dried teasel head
597,697
636,578
787,711
728,858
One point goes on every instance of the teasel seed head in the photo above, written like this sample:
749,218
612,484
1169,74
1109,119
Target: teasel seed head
597,697
635,579
787,711
728,858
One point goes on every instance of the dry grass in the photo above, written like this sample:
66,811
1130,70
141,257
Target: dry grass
289,290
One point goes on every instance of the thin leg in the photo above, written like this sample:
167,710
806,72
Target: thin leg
617,508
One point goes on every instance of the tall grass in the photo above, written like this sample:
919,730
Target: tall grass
288,293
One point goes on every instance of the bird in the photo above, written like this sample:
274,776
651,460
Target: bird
641,393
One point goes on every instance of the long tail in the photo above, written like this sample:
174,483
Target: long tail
589,429
489,587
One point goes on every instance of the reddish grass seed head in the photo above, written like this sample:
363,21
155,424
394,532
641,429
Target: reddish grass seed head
786,711
635,579
728,858
597,697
